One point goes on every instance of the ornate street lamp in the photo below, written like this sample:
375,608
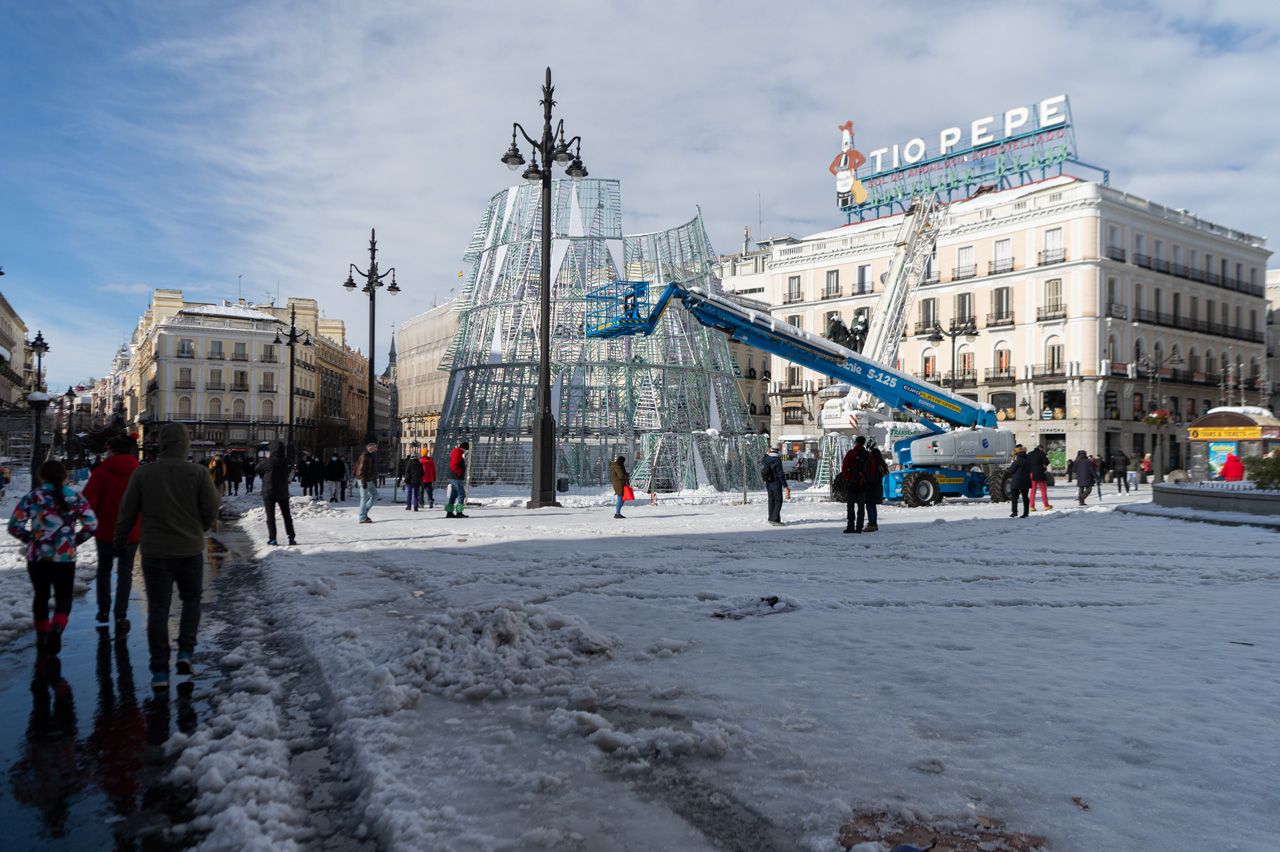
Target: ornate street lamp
291,339
1153,368
553,146
372,282
39,401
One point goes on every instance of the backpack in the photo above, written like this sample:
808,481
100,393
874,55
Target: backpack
767,474
861,472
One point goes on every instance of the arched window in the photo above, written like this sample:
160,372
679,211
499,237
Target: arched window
964,361
268,410
1002,358
184,408
215,408
1053,356
237,409
929,363
1209,364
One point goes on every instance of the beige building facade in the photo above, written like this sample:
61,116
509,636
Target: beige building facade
13,333
421,384
1067,300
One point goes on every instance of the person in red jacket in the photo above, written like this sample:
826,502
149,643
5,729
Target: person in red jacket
456,495
103,491
1232,468
429,477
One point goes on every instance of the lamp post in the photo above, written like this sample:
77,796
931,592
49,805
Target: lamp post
291,339
69,399
961,328
552,146
372,282
1153,366
39,401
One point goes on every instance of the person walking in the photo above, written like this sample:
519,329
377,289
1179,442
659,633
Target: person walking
775,479
412,482
455,495
235,473
250,471
1019,478
218,471
315,473
52,510
366,474
335,475
429,477
1039,462
274,471
856,470
875,488
621,479
1120,470
177,502
1145,466
1086,477
105,488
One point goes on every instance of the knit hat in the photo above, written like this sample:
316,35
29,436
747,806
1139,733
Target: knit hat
424,453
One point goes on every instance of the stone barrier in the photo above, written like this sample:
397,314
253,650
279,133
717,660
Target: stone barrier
1217,497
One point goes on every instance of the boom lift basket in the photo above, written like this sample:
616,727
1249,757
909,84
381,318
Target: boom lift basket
618,309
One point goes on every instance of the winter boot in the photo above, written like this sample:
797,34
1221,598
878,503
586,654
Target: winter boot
104,618
53,642
873,528
184,663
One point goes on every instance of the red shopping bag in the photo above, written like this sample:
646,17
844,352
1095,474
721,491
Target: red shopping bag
627,493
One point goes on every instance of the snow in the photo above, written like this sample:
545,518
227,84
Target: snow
559,679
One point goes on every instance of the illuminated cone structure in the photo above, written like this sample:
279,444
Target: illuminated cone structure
668,402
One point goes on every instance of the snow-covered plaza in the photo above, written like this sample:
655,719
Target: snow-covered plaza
560,679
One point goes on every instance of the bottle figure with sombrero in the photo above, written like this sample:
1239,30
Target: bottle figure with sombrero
845,164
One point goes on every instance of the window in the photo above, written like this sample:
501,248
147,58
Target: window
1208,264
1193,258
268,381
215,350
1207,405
931,267
1177,307
241,381
1138,302
1208,312
1159,304
964,263
1175,405
1191,409
241,352
793,289
1003,257
1253,321
1113,236
1193,360
1139,245
797,321
1111,405
1053,356
237,409
184,378
1223,265
1159,249
269,353
793,377
1004,360
928,312
1053,293
966,363
864,279
1239,317
833,283
1111,291
1194,305
793,415
929,366
268,410
1177,255
964,307
184,408
186,348
1002,303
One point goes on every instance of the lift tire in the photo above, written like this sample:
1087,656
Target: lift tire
998,486
922,487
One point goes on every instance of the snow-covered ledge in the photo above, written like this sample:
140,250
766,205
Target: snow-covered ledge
1217,497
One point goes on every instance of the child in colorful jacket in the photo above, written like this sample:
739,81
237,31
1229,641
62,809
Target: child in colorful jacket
52,510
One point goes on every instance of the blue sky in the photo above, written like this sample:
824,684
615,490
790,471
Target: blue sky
185,144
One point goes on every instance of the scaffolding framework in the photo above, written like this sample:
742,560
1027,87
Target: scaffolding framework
668,402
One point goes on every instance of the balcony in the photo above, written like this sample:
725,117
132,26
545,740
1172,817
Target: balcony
930,278
1143,260
925,326
214,386
239,388
961,379
831,293
967,325
1049,257
266,388
1116,253
217,356
1116,310
793,298
269,359
961,273
1048,371
997,320
1000,375
1051,312
186,353
184,385
996,267
239,356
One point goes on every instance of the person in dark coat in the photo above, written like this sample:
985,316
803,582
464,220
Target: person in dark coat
856,470
274,470
104,491
1038,459
773,464
335,473
1019,477
412,482
235,473
621,479
875,487
250,472
1120,470
1086,477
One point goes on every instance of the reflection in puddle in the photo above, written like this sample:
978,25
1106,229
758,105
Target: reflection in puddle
47,775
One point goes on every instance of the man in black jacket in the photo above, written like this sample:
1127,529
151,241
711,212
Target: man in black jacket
1019,476
335,473
274,470
1120,469
1038,460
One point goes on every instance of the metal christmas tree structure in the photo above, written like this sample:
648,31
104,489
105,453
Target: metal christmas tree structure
667,402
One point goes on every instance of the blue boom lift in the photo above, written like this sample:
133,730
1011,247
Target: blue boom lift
967,461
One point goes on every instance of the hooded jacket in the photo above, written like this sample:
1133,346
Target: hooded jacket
412,470
618,475
1019,472
1120,461
428,469
1082,467
274,470
104,489
1039,463
335,470
774,462
53,536
458,464
1232,468
176,499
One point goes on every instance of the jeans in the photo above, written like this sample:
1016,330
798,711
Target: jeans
455,496
775,503
368,495
160,573
855,505
270,503
871,514
1043,488
123,561
335,485
61,578
1132,479
617,504
412,495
